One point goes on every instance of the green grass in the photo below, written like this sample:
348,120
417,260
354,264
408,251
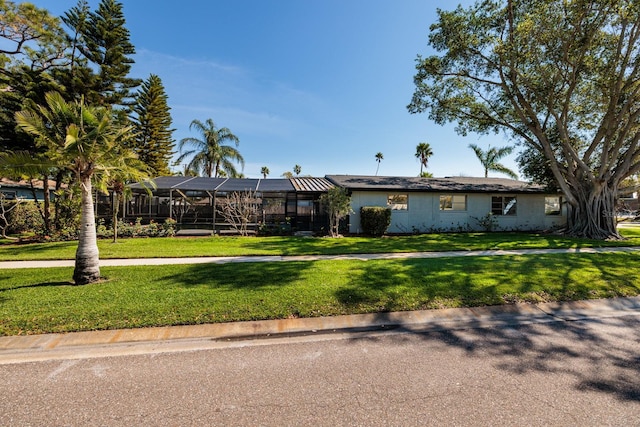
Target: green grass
231,246
44,300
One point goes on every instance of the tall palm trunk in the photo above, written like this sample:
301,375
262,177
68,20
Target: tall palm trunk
87,268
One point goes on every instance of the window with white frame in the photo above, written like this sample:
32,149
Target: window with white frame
503,205
398,202
453,202
552,205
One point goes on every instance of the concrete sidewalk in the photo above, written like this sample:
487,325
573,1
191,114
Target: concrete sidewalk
286,258
20,349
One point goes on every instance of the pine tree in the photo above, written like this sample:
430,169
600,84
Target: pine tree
78,78
154,142
107,45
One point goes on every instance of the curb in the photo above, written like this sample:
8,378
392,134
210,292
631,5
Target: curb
19,349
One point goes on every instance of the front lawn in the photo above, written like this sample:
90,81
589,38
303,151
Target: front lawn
232,246
44,300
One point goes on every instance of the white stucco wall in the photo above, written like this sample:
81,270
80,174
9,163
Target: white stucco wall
424,214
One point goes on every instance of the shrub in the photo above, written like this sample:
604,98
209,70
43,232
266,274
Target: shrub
375,220
67,210
488,222
136,229
25,218
169,227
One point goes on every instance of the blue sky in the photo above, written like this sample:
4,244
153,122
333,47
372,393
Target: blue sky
319,83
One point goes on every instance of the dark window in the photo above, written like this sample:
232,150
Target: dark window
503,205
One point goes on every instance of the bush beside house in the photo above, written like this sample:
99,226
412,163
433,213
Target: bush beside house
375,220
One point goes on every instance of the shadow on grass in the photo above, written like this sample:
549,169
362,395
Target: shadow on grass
240,275
39,285
420,243
591,352
478,281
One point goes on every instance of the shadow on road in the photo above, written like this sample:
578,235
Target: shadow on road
556,347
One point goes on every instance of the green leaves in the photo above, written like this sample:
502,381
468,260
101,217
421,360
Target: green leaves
211,155
559,76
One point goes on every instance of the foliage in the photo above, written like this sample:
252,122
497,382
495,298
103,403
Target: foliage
31,35
152,123
375,220
535,167
490,159
67,214
297,169
379,158
211,155
137,229
488,222
337,203
25,218
264,171
107,44
423,153
559,77
88,142
5,214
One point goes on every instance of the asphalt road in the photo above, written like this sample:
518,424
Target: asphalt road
578,373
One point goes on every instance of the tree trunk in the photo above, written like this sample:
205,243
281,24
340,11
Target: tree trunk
44,211
592,215
87,269
114,214
47,205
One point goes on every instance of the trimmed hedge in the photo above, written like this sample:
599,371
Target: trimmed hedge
375,220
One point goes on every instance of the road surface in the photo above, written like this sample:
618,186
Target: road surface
583,373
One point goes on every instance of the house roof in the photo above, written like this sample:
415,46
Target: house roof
311,185
275,185
238,184
24,183
459,184
186,183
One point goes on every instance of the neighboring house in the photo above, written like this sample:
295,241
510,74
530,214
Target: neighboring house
24,189
453,203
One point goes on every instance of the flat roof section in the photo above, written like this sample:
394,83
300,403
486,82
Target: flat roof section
279,185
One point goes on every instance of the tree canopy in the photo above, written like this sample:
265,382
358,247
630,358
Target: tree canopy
153,140
379,158
490,159
212,155
87,141
561,77
423,152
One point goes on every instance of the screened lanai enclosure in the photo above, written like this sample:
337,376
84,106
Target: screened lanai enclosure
271,206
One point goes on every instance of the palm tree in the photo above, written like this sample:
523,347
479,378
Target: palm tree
88,142
210,155
423,152
490,158
264,171
132,169
297,169
379,158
